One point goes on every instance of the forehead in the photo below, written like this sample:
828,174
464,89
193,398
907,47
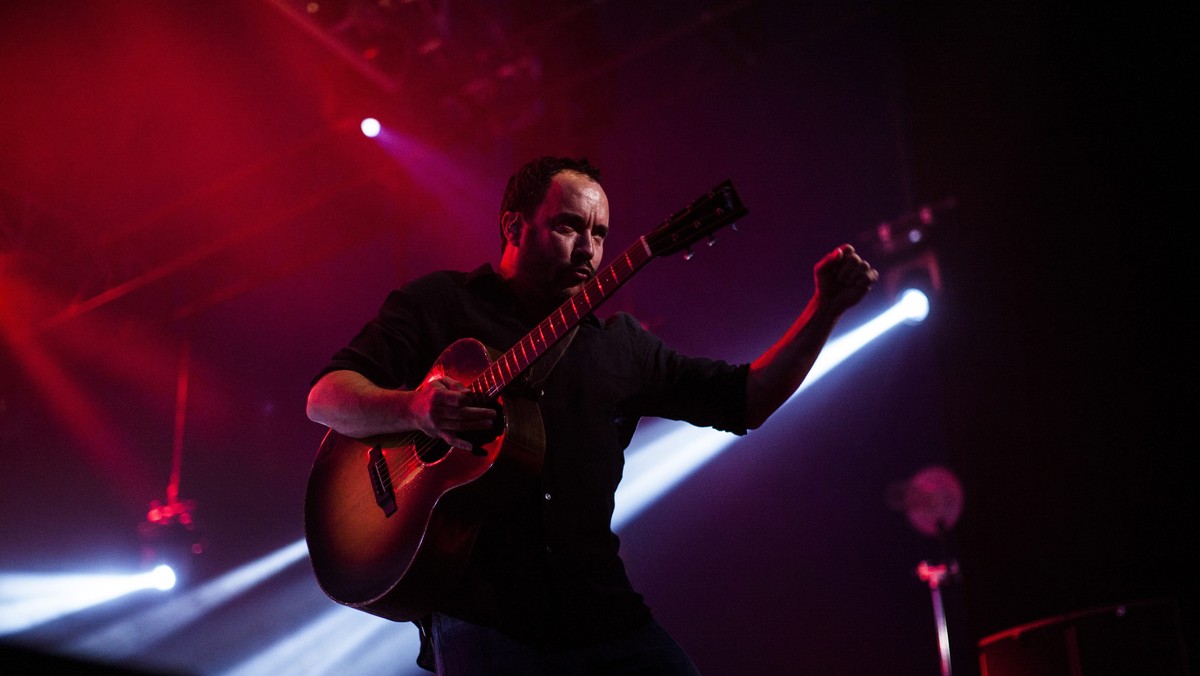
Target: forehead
573,191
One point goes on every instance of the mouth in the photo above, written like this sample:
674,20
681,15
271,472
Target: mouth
580,273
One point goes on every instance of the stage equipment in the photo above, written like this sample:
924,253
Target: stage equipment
169,538
903,249
932,500
1139,637
169,535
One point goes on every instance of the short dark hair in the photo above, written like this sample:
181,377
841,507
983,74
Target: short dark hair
527,187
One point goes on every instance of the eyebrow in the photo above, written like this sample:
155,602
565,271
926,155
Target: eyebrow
574,220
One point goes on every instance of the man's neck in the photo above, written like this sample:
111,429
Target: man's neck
532,301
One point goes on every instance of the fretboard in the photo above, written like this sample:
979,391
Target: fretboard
521,356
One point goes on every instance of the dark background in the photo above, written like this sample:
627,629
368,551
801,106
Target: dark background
190,174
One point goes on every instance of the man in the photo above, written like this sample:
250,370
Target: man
545,590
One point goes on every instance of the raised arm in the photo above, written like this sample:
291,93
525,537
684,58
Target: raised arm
842,278
350,404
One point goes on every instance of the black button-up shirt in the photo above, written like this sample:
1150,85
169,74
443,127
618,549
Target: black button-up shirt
546,569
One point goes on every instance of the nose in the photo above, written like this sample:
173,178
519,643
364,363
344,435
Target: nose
584,247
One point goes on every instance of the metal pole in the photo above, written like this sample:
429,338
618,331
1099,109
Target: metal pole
934,576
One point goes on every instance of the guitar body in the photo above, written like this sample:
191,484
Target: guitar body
391,520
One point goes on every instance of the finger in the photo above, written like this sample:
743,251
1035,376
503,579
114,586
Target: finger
833,256
864,276
868,278
854,266
448,385
453,399
851,268
477,413
456,442
474,425
468,413
451,412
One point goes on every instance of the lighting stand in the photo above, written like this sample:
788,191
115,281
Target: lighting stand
935,575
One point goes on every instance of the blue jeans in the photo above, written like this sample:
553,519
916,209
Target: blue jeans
464,649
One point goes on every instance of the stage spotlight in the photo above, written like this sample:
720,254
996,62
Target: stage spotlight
904,249
162,577
28,600
919,271
915,305
131,635
370,127
170,539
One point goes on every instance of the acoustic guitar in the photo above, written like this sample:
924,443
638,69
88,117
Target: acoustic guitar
391,520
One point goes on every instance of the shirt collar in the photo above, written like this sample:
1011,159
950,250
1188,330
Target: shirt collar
485,279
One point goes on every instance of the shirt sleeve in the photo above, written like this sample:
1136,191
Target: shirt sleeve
391,350
701,391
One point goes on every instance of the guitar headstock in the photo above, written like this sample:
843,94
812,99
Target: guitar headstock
712,211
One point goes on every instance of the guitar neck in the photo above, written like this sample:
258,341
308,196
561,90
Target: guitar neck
713,210
546,334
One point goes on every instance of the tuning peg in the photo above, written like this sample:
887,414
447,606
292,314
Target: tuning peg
733,227
687,256
712,239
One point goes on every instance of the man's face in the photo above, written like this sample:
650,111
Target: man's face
560,247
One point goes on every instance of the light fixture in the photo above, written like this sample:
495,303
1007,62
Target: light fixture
169,538
169,535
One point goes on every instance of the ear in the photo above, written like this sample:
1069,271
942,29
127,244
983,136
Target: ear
510,225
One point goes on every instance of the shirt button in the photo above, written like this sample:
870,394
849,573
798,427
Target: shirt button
547,496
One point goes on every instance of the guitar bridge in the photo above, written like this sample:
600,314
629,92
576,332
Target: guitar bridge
381,481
